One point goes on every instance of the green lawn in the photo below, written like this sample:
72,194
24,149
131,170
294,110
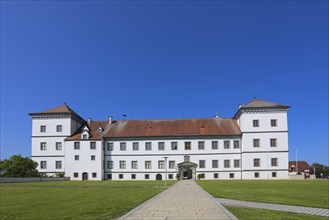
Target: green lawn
260,214
77,200
312,193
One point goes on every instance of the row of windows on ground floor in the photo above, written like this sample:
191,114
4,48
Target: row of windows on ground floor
132,176
202,164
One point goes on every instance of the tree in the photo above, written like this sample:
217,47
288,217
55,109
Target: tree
320,169
18,166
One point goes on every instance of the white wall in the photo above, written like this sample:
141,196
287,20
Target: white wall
51,164
246,121
51,125
208,154
84,164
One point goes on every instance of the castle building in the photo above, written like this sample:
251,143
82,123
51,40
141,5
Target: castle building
251,145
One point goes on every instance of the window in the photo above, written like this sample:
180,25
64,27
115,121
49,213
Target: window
58,145
173,145
172,164
201,145
236,163
273,142
255,123
135,146
214,145
215,164
256,175
274,162
231,175
109,146
148,146
59,128
148,165
202,164
94,175
58,164
109,176
134,165
256,142
76,175
215,175
92,145
236,144
120,176
76,157
161,164
110,164
133,176
257,162
43,164
43,146
76,145
226,163
273,123
201,175
187,145
147,176
123,146
43,128
161,145
273,174
170,176
226,144
122,164
93,157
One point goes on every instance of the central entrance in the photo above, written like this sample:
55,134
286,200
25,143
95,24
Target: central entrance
187,173
187,169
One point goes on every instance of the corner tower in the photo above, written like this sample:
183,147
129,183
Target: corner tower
264,144
49,129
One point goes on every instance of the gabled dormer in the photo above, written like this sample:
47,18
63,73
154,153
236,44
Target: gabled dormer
85,135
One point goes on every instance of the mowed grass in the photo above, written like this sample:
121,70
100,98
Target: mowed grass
311,193
74,200
260,214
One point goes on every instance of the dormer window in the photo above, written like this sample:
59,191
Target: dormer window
85,134
100,129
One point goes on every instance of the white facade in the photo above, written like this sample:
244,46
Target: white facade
88,150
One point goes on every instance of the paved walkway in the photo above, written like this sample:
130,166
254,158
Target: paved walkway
184,200
286,208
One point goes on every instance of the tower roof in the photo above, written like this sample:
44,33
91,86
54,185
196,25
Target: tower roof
259,104
62,109
256,103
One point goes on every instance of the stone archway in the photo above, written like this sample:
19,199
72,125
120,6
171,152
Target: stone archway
158,177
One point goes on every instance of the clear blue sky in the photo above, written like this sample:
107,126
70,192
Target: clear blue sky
165,59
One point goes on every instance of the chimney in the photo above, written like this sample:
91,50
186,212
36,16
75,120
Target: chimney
110,119
89,120
216,116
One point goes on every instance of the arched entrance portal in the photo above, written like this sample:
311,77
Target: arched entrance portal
158,177
187,169
84,176
187,173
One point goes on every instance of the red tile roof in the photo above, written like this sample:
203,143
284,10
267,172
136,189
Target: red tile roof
256,103
174,127
62,109
259,104
302,166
